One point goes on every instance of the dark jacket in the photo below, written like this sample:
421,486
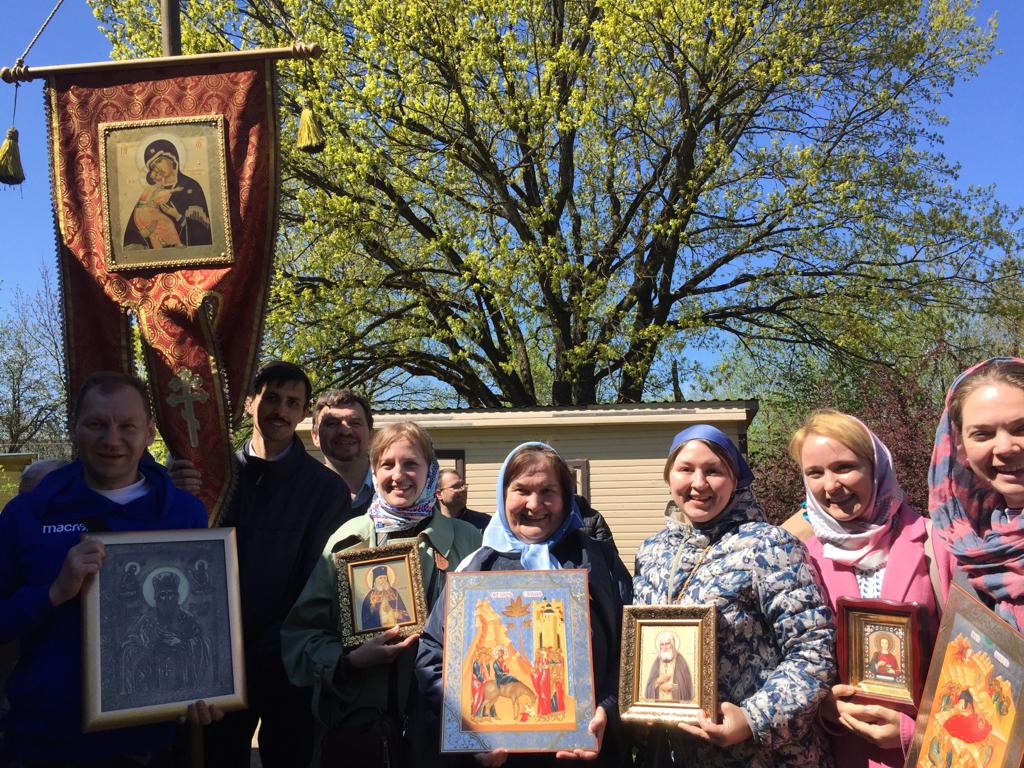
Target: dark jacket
610,588
284,512
36,531
594,524
478,520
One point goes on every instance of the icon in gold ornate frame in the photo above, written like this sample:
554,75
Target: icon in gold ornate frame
378,589
669,664
165,193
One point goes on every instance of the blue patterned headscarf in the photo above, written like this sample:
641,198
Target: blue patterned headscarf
499,537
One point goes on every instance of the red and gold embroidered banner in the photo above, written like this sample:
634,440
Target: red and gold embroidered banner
165,194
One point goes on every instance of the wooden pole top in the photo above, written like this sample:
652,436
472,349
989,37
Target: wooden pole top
298,50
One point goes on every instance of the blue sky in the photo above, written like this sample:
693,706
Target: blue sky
985,133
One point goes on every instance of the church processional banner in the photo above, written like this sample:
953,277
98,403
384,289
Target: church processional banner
165,197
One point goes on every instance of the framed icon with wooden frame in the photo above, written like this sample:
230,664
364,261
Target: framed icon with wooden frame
165,193
517,673
162,627
378,589
669,664
970,712
878,647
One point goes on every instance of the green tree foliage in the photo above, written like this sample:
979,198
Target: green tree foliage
901,400
32,382
543,201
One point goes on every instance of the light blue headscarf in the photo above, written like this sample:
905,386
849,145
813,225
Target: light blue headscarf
499,537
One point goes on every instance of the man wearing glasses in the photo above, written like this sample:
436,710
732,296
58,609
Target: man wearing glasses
451,498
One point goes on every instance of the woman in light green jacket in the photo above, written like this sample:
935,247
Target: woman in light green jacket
365,701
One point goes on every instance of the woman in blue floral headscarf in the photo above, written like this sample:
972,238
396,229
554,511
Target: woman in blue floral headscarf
776,639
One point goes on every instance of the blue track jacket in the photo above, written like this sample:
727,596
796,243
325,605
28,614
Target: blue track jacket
36,531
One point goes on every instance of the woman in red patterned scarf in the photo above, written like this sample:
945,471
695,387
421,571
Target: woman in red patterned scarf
976,483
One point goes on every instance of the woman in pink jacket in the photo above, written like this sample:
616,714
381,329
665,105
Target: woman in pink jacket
868,543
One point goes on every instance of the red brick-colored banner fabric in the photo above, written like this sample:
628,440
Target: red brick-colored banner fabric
199,313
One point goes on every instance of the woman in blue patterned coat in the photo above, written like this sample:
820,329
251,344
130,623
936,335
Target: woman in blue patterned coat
776,638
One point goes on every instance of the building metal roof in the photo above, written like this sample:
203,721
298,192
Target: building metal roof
692,411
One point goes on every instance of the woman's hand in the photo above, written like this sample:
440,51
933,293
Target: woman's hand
382,649
828,709
491,759
197,214
597,726
169,209
733,730
873,723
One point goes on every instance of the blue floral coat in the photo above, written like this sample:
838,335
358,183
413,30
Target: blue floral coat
776,638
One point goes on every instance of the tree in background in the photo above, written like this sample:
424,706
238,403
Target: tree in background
32,382
541,201
901,401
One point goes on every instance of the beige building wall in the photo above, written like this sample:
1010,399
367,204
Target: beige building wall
624,447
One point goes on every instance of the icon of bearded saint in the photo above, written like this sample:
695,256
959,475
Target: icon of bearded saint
171,211
165,649
383,606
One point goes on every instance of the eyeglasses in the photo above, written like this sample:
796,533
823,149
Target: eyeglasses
457,487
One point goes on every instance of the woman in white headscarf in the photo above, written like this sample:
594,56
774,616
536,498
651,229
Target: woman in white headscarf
868,543
537,527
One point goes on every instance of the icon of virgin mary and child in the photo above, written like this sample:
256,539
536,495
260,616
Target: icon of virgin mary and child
171,211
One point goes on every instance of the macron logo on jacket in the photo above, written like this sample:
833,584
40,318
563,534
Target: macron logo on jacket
66,528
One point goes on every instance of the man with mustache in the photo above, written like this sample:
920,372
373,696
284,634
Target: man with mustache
342,427
285,507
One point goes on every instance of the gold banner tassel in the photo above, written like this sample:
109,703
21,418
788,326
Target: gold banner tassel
310,135
11,171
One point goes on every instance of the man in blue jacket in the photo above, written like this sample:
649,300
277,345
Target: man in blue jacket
113,486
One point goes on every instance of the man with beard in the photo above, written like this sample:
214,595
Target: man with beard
285,506
669,678
165,650
383,606
342,427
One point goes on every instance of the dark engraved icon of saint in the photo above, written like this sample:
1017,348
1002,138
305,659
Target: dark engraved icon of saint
165,649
